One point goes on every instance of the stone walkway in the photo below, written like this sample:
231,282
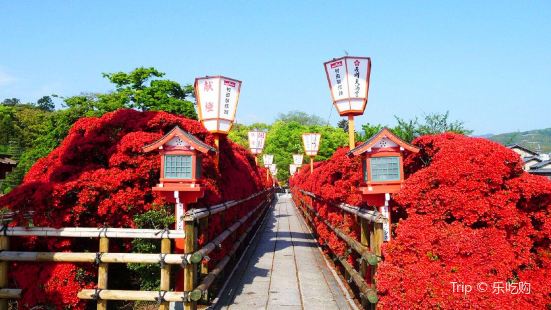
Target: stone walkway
283,268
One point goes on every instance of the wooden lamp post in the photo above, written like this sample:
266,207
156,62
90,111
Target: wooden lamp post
180,182
217,98
348,79
311,143
383,170
256,143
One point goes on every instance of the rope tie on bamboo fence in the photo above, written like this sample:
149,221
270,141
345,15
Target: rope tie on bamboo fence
162,262
104,231
97,260
163,231
161,298
184,262
95,296
5,229
185,297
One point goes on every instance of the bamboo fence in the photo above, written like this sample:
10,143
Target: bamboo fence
192,261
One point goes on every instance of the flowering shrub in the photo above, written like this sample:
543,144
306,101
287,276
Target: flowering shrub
99,176
467,213
473,216
334,181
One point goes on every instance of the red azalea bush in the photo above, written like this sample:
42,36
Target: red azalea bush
472,216
467,214
334,181
99,176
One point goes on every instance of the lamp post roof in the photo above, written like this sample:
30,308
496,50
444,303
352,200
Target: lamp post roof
383,133
183,135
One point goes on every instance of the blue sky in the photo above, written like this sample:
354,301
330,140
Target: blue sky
487,62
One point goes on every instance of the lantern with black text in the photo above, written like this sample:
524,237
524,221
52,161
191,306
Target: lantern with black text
311,143
267,159
383,170
256,143
348,79
297,159
217,98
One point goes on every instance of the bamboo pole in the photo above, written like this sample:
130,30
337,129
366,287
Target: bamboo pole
370,294
4,245
132,295
197,214
211,246
364,252
214,273
10,293
190,270
204,269
364,239
103,270
351,132
165,273
217,146
370,215
93,232
87,257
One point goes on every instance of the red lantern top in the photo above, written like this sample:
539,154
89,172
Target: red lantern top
348,79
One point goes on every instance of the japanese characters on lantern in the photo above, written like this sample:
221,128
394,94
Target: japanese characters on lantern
297,159
256,141
348,79
217,98
267,159
311,143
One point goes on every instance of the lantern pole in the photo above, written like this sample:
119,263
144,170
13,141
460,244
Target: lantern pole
351,133
217,146
311,164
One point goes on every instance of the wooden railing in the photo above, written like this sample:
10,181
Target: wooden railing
194,260
368,248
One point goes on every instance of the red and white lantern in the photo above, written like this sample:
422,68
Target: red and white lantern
348,79
256,141
217,98
268,160
311,143
297,159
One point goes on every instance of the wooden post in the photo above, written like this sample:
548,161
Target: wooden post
190,271
4,245
204,228
351,132
217,146
364,239
311,164
102,272
375,242
165,273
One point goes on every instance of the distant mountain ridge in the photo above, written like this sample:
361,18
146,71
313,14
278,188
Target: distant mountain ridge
538,140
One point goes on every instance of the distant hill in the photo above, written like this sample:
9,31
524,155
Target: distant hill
538,140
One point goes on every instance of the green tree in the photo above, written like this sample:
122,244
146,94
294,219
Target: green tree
141,90
45,103
301,118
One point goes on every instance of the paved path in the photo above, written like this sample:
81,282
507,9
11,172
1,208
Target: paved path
283,268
